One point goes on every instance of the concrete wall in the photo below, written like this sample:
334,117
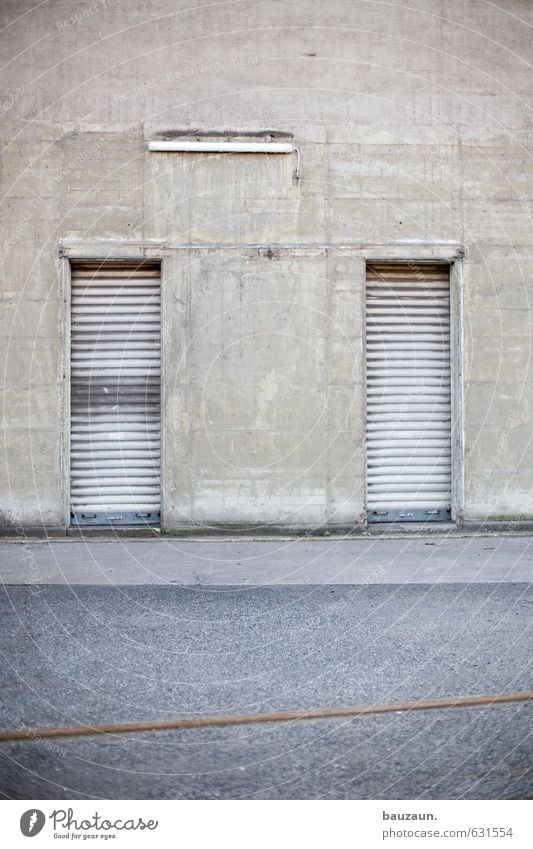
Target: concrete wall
415,129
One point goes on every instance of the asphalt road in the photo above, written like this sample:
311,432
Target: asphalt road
110,654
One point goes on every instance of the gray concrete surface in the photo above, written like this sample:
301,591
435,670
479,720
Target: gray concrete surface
424,560
92,654
414,124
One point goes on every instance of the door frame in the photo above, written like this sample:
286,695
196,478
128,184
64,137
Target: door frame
67,260
455,263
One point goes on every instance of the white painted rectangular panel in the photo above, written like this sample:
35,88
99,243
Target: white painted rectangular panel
115,422
408,392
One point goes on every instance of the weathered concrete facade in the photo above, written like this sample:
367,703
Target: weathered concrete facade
414,124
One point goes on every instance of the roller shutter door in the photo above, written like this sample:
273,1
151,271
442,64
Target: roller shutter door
115,444
408,393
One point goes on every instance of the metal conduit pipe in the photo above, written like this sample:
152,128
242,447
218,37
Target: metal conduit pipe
226,147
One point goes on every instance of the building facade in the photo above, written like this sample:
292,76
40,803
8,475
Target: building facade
262,340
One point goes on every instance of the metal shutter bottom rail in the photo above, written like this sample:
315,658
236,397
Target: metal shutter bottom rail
408,392
115,423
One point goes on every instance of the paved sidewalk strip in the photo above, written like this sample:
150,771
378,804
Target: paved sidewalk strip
423,560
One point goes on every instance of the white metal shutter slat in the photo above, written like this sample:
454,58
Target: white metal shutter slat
426,501
110,457
386,453
388,416
115,269
408,390
432,384
404,446
108,417
416,356
384,365
115,391
121,504
414,469
121,366
411,297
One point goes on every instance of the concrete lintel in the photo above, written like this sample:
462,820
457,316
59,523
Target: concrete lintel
117,249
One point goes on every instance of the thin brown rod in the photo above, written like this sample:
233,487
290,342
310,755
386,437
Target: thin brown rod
275,716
